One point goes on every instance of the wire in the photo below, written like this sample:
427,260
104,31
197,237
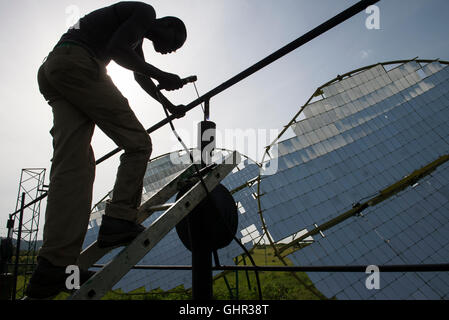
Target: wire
196,90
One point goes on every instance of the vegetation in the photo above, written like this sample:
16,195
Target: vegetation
274,285
240,285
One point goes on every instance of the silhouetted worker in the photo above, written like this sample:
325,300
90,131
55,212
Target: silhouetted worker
74,81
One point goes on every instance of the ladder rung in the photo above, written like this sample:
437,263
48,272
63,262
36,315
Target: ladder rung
161,207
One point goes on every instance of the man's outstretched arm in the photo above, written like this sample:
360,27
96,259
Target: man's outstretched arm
147,84
150,87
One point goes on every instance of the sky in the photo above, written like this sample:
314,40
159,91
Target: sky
224,38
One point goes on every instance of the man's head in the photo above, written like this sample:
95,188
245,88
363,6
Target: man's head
169,35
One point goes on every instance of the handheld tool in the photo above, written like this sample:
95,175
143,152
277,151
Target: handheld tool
184,81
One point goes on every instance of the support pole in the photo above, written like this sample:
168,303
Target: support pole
201,250
201,261
19,236
6,278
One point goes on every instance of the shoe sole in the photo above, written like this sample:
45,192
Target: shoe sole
51,296
44,291
114,240
46,298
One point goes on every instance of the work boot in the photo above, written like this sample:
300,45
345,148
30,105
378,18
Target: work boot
49,280
117,232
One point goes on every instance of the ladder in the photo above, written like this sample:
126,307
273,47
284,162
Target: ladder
103,281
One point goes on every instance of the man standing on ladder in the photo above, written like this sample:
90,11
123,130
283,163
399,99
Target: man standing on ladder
74,81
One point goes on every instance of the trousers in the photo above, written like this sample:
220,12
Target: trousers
82,96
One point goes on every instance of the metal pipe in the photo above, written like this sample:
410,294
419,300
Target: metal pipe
444,267
202,278
19,236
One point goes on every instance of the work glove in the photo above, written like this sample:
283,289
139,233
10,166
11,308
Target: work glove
170,82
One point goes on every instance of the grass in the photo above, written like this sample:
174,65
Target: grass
274,285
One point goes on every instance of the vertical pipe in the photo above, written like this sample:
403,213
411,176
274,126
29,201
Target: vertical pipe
237,284
201,250
201,263
247,275
19,236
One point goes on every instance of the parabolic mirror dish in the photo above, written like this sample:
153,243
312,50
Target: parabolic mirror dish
361,134
371,129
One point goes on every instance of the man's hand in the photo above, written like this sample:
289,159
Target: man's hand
170,82
178,111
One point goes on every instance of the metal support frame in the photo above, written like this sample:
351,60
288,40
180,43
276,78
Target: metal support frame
19,238
31,186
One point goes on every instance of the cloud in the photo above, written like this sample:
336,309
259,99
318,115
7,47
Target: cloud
365,53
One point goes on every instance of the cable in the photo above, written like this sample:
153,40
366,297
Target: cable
196,90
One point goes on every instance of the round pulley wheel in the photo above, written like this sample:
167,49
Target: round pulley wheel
213,222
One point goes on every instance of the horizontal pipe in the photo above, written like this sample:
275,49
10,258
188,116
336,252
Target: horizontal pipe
357,268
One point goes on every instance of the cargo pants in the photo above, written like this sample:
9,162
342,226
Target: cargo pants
82,95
